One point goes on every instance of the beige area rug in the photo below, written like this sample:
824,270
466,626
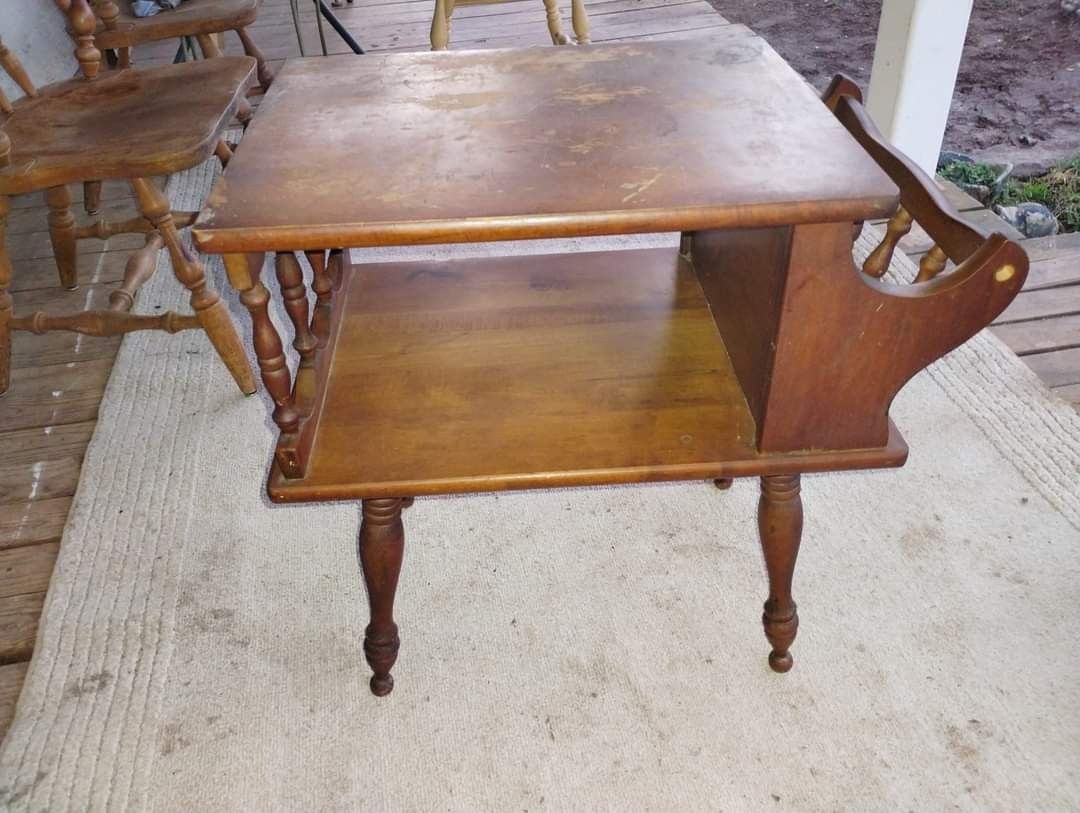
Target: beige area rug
595,649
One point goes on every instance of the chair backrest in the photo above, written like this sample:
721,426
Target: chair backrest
83,23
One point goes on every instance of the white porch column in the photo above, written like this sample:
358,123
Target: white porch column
919,43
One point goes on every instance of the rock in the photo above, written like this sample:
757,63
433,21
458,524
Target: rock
1071,6
1028,141
1030,219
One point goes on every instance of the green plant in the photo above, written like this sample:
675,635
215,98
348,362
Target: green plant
969,173
1058,190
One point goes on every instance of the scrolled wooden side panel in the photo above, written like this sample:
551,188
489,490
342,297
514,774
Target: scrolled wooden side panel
847,343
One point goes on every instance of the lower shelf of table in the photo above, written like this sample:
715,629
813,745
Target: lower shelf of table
532,372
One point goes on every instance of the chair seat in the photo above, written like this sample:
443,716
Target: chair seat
190,18
124,124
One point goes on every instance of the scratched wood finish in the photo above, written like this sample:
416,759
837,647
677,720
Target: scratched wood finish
531,372
600,140
756,348
141,123
47,462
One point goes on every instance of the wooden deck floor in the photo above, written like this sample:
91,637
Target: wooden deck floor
48,415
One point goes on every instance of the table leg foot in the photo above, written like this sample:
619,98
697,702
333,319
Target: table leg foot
382,545
723,483
780,520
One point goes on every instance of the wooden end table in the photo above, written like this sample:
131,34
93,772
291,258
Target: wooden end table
756,349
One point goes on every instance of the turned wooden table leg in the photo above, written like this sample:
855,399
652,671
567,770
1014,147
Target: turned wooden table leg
780,520
382,544
62,235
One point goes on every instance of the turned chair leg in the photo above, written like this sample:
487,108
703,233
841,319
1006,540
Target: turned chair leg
211,312
5,299
580,21
62,235
382,545
92,197
262,67
780,520
440,26
554,23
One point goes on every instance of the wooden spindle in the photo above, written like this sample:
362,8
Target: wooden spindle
223,152
262,67
10,63
881,257
244,275
932,264
62,233
105,323
335,266
91,197
104,229
83,23
5,149
108,12
140,267
291,278
780,521
208,45
244,113
323,288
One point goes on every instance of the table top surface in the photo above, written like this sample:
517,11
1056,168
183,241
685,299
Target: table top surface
531,371
393,149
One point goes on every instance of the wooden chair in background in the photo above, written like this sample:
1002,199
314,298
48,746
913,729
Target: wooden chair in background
444,10
119,31
135,125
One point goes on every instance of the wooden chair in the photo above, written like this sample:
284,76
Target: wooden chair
120,31
444,10
134,124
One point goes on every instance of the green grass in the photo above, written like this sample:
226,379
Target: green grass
963,172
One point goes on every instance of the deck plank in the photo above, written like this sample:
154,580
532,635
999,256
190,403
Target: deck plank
27,569
1041,335
18,625
12,676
